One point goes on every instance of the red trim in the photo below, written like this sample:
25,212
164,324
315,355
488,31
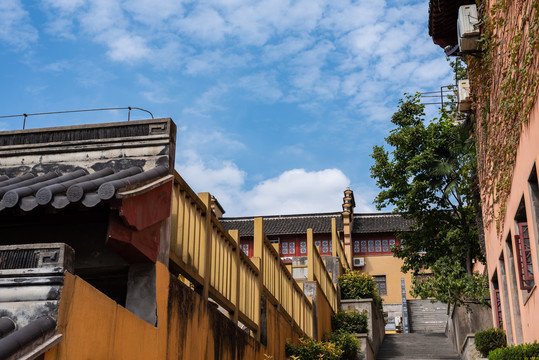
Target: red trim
524,260
149,208
370,246
135,231
247,245
295,245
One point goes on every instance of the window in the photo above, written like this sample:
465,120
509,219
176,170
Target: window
524,256
303,247
325,246
247,248
380,284
497,300
499,321
288,248
374,247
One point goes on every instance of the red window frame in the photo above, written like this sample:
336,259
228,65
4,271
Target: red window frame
290,244
325,246
364,246
524,257
499,317
247,245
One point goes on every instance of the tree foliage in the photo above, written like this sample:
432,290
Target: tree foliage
426,174
448,283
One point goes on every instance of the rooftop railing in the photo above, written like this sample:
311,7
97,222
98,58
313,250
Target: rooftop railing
210,258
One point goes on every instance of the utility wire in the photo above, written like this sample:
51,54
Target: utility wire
129,108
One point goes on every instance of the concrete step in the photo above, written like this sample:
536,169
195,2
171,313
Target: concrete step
425,316
417,346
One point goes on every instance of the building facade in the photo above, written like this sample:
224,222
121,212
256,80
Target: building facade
503,73
368,250
107,253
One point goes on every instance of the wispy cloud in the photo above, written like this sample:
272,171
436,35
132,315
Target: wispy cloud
16,29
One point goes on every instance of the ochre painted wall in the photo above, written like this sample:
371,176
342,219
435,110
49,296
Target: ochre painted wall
95,327
323,313
390,267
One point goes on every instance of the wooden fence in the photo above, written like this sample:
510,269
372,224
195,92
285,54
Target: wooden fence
337,248
211,259
317,271
278,282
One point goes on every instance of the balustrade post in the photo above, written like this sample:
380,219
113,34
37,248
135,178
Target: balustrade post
235,234
206,200
258,259
310,255
334,238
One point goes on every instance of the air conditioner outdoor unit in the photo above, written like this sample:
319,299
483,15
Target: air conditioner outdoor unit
468,28
359,261
464,98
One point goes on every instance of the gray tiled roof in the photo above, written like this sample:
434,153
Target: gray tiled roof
285,224
28,191
380,222
320,223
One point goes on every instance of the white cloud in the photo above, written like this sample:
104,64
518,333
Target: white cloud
263,87
57,66
204,23
298,191
293,191
209,101
125,47
155,12
65,6
16,29
210,61
154,91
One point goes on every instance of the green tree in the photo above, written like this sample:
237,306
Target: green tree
427,175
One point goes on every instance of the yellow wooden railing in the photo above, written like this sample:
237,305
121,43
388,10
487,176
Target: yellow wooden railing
210,258
337,248
279,285
317,271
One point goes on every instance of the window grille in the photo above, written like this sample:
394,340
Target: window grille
381,284
499,318
524,257
374,247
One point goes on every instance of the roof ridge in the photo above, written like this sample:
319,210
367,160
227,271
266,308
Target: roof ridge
286,216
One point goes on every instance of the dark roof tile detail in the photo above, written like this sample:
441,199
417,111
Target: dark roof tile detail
28,192
383,222
320,223
285,224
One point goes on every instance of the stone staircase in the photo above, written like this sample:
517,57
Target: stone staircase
427,317
417,346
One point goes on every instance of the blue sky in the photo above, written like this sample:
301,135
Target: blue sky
278,103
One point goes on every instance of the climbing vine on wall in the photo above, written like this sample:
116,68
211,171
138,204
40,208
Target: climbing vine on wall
505,79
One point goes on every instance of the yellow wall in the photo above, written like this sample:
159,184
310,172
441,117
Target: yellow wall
323,313
390,267
95,327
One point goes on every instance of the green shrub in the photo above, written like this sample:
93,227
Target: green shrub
347,342
524,351
356,285
310,349
352,321
489,339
